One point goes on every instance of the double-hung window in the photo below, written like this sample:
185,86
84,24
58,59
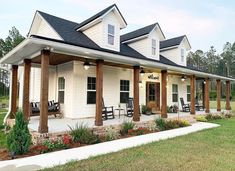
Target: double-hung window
182,55
91,90
174,93
111,33
61,87
153,47
188,93
124,91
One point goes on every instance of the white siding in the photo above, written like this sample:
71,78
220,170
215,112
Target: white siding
99,32
182,90
42,28
175,54
111,19
111,89
95,33
144,46
141,46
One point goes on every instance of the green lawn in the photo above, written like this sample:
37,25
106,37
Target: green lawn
213,105
2,134
209,150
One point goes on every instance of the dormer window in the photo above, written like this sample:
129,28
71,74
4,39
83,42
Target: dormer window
153,47
111,34
182,55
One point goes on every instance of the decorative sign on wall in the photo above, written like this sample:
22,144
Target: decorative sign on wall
152,77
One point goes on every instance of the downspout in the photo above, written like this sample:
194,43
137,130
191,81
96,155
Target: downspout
9,108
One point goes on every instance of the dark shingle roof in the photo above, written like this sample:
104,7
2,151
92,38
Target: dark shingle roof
137,33
66,30
99,14
171,42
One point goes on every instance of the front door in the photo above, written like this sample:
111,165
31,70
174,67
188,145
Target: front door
153,94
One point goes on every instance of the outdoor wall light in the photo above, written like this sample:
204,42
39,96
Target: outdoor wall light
183,78
204,82
86,65
142,72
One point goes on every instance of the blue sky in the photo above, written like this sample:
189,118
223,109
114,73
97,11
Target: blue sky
205,22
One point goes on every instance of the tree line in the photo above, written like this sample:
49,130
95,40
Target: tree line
6,45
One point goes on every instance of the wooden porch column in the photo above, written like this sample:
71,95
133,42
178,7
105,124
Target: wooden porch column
164,94
43,122
13,90
218,90
228,95
192,95
136,115
207,99
27,66
99,92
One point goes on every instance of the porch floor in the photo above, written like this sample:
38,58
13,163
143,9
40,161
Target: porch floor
56,125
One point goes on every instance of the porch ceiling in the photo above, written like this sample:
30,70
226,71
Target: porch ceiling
31,47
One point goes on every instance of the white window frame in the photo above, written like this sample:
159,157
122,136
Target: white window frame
182,55
90,90
175,92
124,91
61,89
112,35
154,46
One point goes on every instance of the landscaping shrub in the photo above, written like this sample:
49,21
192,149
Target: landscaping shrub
153,127
209,116
126,125
160,123
182,123
171,124
144,109
19,138
201,118
110,134
138,131
81,133
53,145
228,115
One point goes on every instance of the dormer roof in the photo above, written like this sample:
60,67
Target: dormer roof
173,42
98,17
145,31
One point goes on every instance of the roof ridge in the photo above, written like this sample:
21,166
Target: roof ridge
173,38
138,32
93,17
56,17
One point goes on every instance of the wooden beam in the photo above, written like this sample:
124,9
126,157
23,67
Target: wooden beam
207,99
27,66
218,90
99,92
192,95
43,122
228,95
14,90
136,115
164,94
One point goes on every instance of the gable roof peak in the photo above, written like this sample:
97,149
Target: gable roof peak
99,15
140,32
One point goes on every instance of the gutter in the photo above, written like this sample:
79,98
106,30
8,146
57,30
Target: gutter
75,50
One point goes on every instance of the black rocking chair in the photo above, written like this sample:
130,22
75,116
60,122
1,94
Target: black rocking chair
107,112
129,107
185,107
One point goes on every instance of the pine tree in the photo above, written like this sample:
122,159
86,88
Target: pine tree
19,138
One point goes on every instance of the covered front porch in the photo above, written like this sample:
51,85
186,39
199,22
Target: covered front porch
55,55
61,125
